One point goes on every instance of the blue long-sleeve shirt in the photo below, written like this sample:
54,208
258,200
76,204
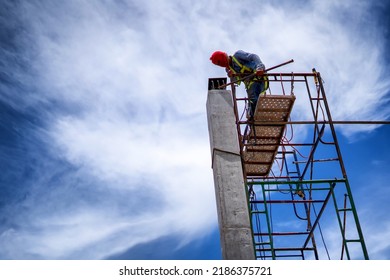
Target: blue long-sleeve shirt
250,60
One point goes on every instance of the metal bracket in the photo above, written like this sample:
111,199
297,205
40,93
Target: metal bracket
215,83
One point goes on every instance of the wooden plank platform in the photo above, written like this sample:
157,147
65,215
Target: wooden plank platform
264,138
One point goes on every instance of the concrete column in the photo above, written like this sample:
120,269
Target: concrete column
232,204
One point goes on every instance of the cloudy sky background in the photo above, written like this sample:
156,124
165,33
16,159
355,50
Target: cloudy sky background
104,148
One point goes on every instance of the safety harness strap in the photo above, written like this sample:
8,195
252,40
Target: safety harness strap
245,69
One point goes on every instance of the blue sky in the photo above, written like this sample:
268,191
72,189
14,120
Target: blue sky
104,148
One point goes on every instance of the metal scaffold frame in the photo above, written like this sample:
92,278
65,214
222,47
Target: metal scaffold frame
292,182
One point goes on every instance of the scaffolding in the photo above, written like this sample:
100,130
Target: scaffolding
300,200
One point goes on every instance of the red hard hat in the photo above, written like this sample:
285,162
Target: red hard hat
220,58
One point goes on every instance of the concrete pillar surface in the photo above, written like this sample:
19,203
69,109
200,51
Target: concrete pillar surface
231,197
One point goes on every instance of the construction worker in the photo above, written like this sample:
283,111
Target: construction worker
244,63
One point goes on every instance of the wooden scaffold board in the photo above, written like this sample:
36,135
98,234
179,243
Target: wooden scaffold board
264,138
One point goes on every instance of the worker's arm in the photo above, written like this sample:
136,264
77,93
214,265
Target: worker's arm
250,60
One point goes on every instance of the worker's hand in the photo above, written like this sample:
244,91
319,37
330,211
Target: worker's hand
230,73
259,72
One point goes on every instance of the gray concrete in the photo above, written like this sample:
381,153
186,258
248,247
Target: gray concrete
232,204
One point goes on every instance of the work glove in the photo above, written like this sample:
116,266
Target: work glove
259,72
230,73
